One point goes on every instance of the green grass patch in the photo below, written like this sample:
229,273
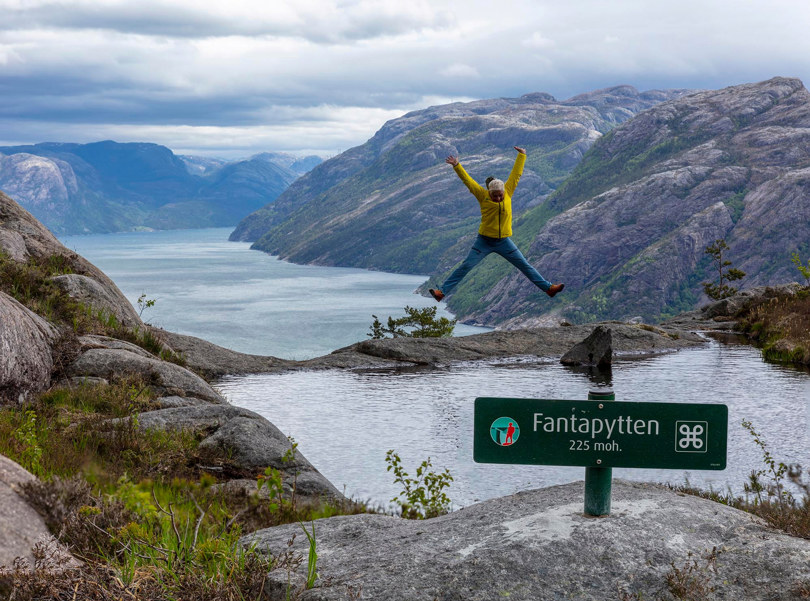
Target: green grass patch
85,429
135,505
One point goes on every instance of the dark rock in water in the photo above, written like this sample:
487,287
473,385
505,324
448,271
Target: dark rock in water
538,545
596,349
25,351
244,442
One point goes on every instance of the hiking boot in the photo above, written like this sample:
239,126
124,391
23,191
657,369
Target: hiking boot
555,288
437,294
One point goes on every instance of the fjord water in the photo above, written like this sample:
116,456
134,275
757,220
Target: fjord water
247,300
345,422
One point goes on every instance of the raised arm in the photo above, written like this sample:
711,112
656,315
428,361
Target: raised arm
517,171
472,185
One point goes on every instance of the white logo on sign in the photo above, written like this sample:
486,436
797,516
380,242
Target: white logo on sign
691,437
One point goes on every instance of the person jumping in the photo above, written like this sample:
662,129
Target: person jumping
495,229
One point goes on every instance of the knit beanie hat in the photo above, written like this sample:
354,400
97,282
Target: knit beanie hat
495,184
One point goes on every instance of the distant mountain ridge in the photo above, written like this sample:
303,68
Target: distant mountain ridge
392,204
108,186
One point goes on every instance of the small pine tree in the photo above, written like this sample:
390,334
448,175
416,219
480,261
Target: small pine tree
805,271
725,273
417,323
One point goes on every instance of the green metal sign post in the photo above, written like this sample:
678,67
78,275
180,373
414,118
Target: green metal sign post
598,480
600,434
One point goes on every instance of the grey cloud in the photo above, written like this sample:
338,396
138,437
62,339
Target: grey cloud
162,18
115,67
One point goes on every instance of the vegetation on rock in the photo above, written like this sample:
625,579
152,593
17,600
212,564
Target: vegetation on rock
796,259
780,326
421,497
771,492
417,323
725,273
30,283
139,507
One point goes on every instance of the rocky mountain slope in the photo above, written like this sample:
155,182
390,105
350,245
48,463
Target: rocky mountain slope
628,230
106,186
392,203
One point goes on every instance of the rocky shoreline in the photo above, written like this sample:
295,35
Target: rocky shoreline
629,341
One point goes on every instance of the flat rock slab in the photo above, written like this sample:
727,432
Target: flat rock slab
538,545
213,361
628,339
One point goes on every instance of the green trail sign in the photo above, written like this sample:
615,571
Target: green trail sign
601,434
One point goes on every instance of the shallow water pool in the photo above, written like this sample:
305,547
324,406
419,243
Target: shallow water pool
345,421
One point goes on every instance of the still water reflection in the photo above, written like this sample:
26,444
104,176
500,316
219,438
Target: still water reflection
345,421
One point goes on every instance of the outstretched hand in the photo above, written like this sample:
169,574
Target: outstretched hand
451,160
519,149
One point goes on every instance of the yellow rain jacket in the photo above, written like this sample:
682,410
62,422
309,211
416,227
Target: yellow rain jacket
496,217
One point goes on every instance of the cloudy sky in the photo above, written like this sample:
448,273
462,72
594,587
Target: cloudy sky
238,77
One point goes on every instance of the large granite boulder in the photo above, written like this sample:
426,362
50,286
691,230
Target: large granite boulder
166,378
26,361
245,443
539,545
23,237
21,527
105,299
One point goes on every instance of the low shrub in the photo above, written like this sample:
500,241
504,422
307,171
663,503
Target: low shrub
769,492
417,323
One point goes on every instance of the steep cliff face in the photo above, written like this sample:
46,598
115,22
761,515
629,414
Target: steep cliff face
106,186
393,204
628,230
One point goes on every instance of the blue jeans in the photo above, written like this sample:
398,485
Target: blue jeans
504,247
